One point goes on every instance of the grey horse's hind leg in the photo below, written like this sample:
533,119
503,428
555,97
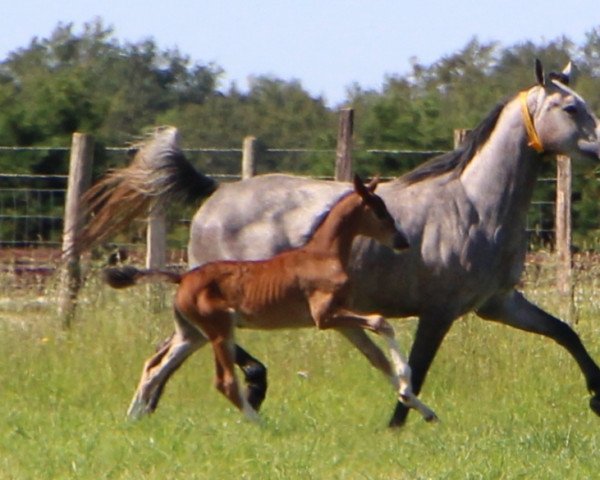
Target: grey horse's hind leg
255,377
515,310
171,354
431,330
163,364
159,368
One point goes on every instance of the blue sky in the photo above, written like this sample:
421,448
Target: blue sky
326,44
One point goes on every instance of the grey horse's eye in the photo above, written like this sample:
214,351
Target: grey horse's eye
571,109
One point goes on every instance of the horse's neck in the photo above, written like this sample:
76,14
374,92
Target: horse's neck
499,181
333,238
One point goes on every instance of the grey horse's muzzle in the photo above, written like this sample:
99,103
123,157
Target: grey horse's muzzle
590,148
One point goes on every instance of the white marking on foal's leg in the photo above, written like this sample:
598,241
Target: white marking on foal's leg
137,407
403,381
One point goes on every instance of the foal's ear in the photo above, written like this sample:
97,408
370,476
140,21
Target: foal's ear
362,189
359,186
373,183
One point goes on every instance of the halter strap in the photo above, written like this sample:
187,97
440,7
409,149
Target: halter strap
534,139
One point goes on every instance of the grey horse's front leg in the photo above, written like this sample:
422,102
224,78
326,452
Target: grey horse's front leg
515,310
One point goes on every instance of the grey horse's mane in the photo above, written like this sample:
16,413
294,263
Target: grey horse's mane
457,160
454,161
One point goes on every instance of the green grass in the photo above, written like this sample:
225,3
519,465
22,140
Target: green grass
511,405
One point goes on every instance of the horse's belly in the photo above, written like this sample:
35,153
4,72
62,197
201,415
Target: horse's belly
288,315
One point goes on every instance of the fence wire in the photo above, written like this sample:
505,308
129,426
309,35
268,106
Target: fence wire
32,206
31,213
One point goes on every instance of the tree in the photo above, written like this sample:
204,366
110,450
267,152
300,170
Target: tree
90,82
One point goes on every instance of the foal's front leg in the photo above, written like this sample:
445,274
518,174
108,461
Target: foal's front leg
366,346
401,379
327,317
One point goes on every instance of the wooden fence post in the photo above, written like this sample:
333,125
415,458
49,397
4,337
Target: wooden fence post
156,252
343,156
156,238
563,229
249,157
459,136
80,177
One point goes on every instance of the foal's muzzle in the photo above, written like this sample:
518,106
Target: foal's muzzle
400,241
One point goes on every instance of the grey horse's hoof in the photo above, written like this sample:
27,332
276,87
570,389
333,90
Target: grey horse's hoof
595,404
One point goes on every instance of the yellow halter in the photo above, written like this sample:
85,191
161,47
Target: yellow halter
534,139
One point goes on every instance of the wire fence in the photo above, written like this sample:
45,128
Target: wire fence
31,213
32,206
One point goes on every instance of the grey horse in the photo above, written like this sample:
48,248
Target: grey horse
464,214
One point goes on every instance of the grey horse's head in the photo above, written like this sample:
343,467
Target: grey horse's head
560,118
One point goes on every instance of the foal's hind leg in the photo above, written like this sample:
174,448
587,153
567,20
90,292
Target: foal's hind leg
220,335
159,368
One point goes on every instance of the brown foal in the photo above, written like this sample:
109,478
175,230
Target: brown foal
298,288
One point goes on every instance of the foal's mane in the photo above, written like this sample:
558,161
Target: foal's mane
457,160
320,218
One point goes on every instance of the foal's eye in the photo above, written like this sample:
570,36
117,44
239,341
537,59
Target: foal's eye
571,109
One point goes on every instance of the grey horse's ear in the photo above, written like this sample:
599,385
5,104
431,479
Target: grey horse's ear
563,77
568,71
539,72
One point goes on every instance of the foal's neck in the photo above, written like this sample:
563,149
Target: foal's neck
334,236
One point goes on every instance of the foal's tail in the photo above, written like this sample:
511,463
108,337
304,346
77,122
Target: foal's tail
127,276
158,174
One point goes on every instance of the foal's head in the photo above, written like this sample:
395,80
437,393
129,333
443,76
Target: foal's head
375,220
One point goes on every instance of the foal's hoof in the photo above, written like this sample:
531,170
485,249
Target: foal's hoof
431,418
137,409
595,404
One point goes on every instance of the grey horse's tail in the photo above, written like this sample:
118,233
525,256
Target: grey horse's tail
158,174
128,276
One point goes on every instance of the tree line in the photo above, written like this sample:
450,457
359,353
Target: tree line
88,80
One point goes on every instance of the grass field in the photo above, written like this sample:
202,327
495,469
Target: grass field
512,405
